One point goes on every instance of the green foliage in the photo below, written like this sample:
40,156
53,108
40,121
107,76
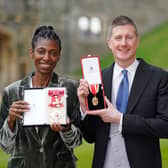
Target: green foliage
153,46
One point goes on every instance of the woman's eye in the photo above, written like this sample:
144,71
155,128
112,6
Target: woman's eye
53,53
41,52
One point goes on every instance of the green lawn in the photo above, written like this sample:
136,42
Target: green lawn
3,159
164,151
85,153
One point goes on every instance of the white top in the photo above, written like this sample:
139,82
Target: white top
116,155
117,77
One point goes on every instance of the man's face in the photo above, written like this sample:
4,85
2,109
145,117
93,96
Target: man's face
123,44
45,55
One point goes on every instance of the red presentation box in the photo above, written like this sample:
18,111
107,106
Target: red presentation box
91,72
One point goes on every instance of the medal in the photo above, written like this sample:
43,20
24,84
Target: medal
56,101
95,101
94,89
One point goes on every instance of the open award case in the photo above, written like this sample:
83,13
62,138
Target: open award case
47,106
91,72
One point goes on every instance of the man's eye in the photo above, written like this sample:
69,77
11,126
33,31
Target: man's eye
118,38
130,37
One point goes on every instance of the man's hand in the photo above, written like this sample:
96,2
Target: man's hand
109,114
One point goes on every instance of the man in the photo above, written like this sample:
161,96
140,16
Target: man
126,134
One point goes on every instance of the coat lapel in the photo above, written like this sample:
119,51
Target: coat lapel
107,81
44,129
142,76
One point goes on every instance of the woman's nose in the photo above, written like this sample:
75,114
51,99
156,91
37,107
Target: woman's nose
46,56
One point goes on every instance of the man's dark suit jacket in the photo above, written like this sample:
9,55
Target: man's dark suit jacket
145,121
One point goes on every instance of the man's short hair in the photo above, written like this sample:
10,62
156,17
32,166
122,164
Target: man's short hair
119,21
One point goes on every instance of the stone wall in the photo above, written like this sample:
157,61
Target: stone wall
20,17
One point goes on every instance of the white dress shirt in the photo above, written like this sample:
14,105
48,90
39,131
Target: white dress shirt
116,155
117,77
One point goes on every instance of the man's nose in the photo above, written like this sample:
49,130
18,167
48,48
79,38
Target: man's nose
123,41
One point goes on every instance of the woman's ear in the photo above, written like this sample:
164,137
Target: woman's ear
31,53
59,57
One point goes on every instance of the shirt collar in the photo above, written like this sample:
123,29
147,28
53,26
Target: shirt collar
130,69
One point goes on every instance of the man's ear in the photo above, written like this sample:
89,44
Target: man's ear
138,39
31,53
109,43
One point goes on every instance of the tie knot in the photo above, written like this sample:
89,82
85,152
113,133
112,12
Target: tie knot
124,72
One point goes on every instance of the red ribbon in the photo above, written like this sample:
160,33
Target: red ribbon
94,88
55,92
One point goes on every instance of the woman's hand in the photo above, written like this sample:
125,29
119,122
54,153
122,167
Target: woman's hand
16,110
57,127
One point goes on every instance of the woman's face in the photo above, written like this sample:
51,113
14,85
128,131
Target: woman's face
45,55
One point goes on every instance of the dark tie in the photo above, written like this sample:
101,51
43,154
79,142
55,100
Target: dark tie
123,92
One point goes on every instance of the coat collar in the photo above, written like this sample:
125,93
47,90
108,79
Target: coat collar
26,81
107,80
45,129
142,76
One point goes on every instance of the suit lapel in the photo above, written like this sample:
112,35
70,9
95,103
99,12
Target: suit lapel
142,76
107,81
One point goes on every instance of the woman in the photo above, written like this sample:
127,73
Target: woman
41,146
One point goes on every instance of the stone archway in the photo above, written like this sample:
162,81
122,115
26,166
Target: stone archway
8,67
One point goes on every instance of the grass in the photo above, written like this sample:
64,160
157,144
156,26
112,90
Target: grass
164,151
84,154
153,48
3,159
